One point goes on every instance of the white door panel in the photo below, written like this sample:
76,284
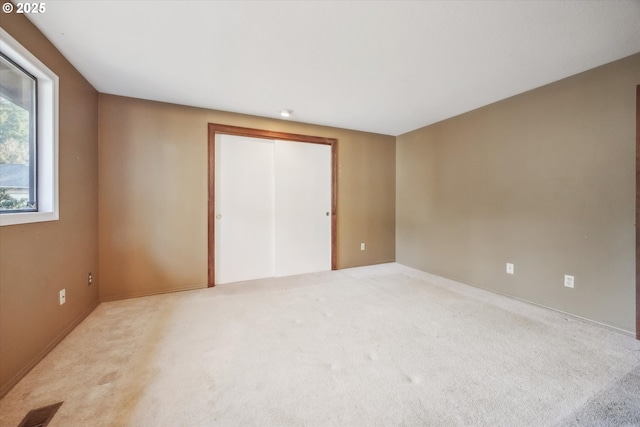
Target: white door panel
244,225
303,207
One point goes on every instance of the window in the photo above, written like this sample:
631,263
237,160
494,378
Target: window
28,136
17,138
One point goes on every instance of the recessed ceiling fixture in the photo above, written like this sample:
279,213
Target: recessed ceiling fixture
286,112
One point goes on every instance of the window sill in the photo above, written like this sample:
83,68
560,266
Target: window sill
27,217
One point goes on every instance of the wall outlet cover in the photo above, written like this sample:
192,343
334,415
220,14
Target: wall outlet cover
510,268
569,281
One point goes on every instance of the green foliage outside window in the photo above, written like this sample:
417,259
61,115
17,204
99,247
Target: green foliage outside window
14,146
14,133
10,203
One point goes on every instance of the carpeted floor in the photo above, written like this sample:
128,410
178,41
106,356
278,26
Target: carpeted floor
383,345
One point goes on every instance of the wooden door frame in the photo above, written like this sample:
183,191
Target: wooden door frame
638,212
215,129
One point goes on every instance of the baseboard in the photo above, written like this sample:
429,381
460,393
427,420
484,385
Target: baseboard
24,371
150,293
615,328
586,319
368,263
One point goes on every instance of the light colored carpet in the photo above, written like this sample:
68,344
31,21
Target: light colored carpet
383,345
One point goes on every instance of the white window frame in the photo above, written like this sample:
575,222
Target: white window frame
47,134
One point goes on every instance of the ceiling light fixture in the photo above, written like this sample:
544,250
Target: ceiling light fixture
286,112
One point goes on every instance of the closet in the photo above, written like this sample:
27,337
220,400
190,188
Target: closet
273,203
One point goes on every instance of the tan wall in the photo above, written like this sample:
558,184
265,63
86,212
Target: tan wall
38,260
544,180
153,194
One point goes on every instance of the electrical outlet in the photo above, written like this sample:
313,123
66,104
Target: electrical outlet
362,246
569,281
510,268
63,296
90,279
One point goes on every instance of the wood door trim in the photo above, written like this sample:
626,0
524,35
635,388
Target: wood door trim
268,134
215,129
638,212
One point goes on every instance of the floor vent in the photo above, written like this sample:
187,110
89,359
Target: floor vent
40,417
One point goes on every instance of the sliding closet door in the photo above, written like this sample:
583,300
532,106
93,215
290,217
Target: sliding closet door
244,201
303,207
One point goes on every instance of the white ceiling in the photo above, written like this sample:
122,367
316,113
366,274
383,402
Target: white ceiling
378,66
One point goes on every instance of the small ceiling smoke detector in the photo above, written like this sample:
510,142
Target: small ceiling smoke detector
286,112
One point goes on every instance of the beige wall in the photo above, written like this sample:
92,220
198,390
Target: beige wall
544,180
153,194
38,260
